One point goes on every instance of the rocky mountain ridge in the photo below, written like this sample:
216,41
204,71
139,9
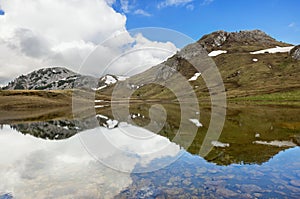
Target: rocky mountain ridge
58,78
250,63
53,78
252,39
234,55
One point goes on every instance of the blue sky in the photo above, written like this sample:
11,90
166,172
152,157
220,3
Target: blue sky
65,32
278,18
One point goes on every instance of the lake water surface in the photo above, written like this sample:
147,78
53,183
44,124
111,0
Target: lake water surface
256,156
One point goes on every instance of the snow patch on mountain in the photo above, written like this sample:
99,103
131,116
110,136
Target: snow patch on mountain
277,143
216,53
54,78
122,78
109,79
106,81
195,77
219,144
278,49
196,122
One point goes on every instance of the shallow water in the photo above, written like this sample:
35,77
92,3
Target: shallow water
256,156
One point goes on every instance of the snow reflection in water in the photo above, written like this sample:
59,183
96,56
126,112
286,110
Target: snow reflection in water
257,155
37,168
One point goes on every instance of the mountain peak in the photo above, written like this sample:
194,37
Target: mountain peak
44,79
58,78
245,40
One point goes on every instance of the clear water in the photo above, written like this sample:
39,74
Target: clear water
259,158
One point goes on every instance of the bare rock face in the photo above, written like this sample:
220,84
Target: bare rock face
225,40
251,36
55,78
164,72
180,60
214,39
295,52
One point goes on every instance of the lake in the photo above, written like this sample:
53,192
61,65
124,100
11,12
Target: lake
257,155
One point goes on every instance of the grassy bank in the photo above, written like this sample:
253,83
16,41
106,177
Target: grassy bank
290,98
24,99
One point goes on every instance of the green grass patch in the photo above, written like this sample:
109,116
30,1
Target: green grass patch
279,98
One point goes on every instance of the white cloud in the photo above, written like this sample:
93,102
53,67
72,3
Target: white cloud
125,6
61,20
291,25
168,3
40,168
130,55
110,2
207,2
33,32
142,12
42,33
190,7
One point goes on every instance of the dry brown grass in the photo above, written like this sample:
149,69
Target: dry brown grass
23,105
23,99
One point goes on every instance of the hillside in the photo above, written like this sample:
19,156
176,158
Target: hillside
60,78
242,41
251,63
54,78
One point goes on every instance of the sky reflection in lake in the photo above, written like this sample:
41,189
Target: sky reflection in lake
248,161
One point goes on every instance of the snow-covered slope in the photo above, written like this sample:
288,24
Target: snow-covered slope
216,53
107,80
59,78
274,50
55,78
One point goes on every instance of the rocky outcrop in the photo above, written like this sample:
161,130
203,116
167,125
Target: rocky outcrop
59,78
180,60
55,78
225,40
295,52
214,39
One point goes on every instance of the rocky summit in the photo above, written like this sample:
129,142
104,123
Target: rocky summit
252,39
54,78
250,63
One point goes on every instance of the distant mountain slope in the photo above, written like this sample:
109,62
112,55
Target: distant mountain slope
244,69
242,41
250,63
59,78
55,78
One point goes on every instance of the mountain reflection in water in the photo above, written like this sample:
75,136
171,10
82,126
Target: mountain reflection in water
257,155
251,135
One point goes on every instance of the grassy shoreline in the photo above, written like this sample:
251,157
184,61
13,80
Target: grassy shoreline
289,98
30,99
27,106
